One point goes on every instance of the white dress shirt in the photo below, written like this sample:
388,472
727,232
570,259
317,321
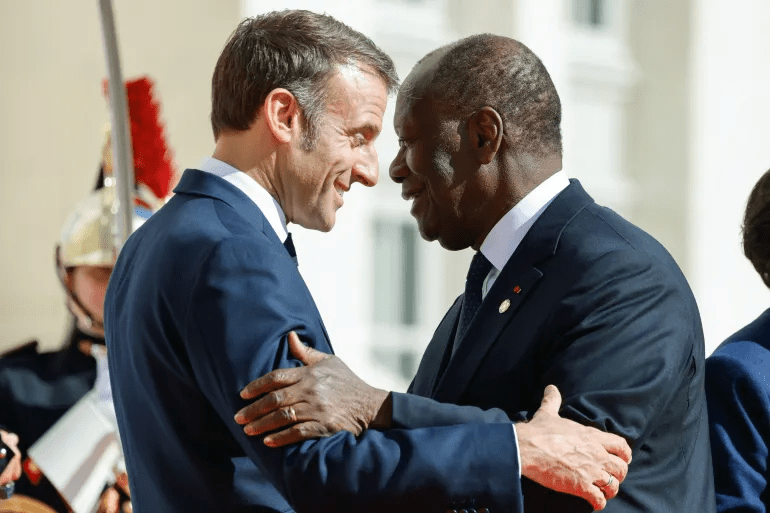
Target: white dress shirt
509,231
264,201
503,239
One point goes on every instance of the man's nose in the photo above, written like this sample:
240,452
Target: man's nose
367,170
398,170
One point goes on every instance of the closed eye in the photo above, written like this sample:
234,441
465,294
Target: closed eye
359,140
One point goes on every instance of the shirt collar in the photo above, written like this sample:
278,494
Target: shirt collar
510,230
264,201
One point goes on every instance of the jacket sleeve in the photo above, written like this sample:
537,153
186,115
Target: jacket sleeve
737,390
235,331
411,412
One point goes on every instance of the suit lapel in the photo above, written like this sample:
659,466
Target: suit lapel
431,364
511,289
200,183
496,311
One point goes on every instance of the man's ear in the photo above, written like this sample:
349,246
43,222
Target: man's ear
486,133
282,115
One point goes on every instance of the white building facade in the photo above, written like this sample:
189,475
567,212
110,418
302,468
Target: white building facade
665,109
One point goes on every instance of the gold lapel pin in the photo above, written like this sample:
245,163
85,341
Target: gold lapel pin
504,306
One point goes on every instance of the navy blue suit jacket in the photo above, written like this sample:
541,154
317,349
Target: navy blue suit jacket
199,304
738,392
600,309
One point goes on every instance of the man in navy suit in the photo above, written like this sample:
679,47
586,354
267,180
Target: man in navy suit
560,290
203,296
738,385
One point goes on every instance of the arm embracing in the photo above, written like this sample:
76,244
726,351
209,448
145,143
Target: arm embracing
240,315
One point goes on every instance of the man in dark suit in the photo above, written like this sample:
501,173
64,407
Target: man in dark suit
203,295
560,290
738,385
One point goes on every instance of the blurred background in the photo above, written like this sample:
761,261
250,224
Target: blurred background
665,119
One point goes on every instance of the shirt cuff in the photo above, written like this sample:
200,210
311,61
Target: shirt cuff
516,441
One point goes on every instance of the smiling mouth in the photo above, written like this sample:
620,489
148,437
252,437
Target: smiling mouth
415,200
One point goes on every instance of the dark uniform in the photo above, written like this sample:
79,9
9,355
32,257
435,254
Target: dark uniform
36,389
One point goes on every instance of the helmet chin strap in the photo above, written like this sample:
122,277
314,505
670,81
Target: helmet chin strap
85,319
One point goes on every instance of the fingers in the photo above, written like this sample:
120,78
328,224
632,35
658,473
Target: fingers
609,487
551,400
12,470
616,445
269,403
597,499
296,433
280,378
121,481
280,418
617,468
603,489
303,353
109,501
10,439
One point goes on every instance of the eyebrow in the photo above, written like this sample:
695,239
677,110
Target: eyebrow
369,130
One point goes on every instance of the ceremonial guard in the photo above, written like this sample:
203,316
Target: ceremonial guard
38,388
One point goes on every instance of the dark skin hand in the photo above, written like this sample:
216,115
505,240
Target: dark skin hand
321,399
326,397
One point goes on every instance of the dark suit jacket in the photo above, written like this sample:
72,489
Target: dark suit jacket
199,304
600,309
738,392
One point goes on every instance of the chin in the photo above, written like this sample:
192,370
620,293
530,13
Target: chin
319,224
452,244
426,234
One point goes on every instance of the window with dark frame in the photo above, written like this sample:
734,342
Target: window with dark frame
589,13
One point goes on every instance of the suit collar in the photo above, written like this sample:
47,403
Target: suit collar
542,240
501,242
511,289
200,183
270,208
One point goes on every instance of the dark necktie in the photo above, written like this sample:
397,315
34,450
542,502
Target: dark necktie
478,271
289,245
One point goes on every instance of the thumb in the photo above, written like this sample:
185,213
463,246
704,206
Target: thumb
303,353
551,400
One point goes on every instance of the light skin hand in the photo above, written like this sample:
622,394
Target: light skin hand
571,458
319,399
109,502
12,471
325,397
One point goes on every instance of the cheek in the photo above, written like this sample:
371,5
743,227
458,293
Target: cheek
91,293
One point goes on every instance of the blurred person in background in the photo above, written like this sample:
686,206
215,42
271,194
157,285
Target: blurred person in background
36,388
738,385
560,290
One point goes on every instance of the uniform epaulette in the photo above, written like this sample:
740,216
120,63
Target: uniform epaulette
25,348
